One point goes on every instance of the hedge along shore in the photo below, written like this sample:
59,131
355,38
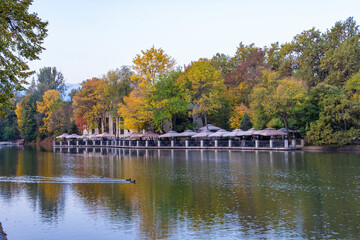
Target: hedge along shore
332,148
2,233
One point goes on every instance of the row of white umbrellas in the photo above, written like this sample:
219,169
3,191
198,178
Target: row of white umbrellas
205,133
86,136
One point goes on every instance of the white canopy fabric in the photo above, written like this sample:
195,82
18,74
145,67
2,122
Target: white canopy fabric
64,135
202,134
72,136
136,135
85,136
270,132
128,135
233,133
170,134
105,135
219,133
150,135
187,133
249,132
209,127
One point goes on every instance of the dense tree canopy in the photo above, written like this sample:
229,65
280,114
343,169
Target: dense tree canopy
311,83
22,34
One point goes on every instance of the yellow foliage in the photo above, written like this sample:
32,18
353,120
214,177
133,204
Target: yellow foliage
149,64
92,101
135,110
50,103
237,114
18,114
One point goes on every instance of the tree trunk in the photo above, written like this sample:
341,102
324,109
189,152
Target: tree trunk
206,124
286,125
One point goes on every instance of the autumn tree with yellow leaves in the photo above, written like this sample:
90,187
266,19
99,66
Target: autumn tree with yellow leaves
51,103
136,109
92,102
205,87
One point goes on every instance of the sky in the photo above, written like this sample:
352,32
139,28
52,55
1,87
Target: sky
87,38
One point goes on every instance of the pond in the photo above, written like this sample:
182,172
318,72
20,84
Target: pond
179,194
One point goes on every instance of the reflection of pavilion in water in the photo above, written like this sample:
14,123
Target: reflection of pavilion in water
170,153
180,189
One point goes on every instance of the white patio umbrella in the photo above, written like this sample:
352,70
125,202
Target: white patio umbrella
233,133
136,135
150,135
127,135
209,127
219,133
187,133
170,134
73,136
202,134
64,135
270,132
106,135
85,136
249,132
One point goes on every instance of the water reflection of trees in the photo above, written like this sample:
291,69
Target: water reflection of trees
256,193
47,198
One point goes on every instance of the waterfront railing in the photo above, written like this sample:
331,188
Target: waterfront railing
203,143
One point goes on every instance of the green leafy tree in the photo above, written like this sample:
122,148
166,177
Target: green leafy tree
118,86
8,126
303,56
22,34
338,116
245,123
260,95
287,100
205,86
25,112
136,110
168,100
342,62
48,78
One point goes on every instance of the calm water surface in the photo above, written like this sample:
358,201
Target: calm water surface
179,194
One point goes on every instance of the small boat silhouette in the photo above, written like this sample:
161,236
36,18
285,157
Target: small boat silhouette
133,181
128,179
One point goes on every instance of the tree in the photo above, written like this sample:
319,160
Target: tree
48,78
168,100
92,102
205,86
50,104
287,100
237,115
352,87
22,34
338,116
342,62
136,109
245,123
221,62
118,85
304,54
150,64
259,96
8,125
247,74
25,112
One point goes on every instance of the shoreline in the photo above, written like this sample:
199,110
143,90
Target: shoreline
2,233
332,148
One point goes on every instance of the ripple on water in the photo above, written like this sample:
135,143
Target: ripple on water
64,180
